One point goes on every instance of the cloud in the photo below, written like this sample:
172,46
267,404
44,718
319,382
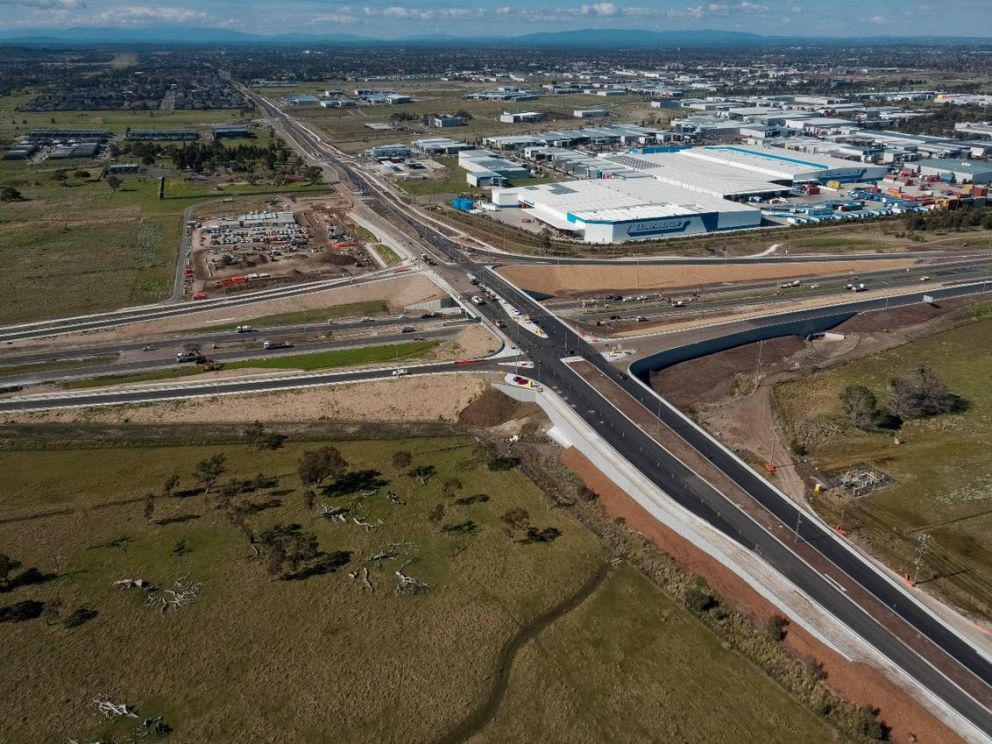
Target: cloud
141,15
46,4
600,9
741,7
879,19
344,16
424,14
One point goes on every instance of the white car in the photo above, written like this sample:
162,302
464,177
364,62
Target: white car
399,372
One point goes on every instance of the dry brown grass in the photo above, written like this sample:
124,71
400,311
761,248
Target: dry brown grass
558,280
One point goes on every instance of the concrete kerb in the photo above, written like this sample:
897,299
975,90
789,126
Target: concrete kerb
828,310
761,577
301,383
755,573
959,721
880,569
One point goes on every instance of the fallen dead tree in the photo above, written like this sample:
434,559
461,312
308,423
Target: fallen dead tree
182,594
407,584
110,709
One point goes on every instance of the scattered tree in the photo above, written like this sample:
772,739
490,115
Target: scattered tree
210,469
259,437
402,459
7,564
10,194
227,492
18,612
422,474
309,495
860,406
287,547
436,515
451,487
114,182
923,392
699,599
515,519
170,485
316,466
149,507
776,627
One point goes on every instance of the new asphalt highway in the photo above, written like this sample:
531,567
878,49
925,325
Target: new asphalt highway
679,483
777,547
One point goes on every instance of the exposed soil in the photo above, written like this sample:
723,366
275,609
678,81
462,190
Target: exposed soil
575,280
398,292
711,378
859,683
436,398
734,400
472,343
493,408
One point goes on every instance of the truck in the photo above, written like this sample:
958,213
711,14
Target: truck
473,279
270,345
244,329
184,357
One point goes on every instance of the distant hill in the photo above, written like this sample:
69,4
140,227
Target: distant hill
606,37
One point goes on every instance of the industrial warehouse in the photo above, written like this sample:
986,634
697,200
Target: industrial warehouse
615,210
663,192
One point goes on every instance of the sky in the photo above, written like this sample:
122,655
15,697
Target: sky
398,18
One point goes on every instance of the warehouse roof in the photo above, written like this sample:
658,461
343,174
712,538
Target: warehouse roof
622,200
697,174
773,163
957,166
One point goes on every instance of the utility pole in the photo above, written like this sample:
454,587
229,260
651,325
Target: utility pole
922,549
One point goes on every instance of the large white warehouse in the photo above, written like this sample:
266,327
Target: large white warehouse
617,210
696,174
775,165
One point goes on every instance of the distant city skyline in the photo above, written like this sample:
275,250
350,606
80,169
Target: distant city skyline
402,18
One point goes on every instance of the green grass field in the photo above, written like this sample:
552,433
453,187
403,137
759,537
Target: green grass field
943,485
324,658
618,646
82,248
387,254
390,353
13,122
180,188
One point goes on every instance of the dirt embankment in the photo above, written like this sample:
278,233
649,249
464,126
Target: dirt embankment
732,393
397,292
435,398
856,682
568,280
709,379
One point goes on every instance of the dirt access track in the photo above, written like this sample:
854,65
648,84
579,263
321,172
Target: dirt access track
578,280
